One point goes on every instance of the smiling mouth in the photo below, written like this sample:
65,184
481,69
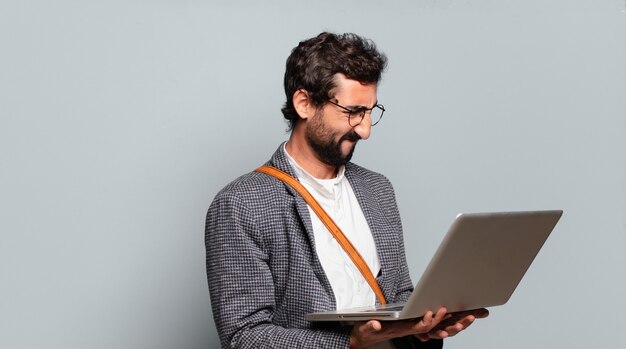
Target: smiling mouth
351,136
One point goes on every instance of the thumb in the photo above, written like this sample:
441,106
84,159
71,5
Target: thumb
373,326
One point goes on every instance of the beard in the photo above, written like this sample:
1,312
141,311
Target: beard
322,141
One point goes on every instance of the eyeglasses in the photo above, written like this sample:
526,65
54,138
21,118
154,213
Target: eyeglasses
356,115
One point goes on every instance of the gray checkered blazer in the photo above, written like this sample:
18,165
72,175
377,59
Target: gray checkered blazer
263,271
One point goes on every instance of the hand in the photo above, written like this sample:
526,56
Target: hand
371,332
453,324
432,326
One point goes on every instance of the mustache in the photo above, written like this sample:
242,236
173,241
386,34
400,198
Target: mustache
350,136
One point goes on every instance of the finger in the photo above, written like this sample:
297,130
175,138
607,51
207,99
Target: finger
367,327
441,314
427,319
481,313
442,310
438,316
423,337
373,326
424,325
454,329
466,321
437,334
434,334
441,334
460,325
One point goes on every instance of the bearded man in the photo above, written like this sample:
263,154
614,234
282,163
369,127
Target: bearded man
271,260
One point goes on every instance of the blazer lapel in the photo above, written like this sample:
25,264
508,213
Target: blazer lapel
280,161
382,231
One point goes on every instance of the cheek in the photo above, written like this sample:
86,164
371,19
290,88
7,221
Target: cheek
323,130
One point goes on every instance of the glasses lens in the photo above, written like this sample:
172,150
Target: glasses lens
357,116
377,114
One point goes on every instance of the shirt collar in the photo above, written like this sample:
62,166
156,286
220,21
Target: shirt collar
323,185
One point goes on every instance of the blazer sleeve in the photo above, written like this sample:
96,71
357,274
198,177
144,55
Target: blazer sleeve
241,285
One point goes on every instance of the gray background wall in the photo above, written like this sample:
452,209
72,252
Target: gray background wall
120,120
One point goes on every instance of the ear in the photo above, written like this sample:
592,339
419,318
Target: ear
302,104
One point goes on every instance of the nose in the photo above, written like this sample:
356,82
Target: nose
364,128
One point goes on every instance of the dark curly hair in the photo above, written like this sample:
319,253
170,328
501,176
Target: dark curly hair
312,66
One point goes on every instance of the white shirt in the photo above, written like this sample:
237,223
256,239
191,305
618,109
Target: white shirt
337,198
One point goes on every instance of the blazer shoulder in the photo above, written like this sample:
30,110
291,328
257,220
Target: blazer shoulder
254,189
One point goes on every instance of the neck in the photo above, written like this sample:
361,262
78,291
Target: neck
301,152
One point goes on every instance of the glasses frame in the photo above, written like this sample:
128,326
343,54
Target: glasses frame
361,112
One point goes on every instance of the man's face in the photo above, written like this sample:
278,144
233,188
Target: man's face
328,132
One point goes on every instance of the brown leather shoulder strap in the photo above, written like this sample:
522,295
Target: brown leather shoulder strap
343,241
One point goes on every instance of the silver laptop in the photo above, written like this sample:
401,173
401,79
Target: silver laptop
479,263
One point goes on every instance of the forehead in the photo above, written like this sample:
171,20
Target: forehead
353,92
